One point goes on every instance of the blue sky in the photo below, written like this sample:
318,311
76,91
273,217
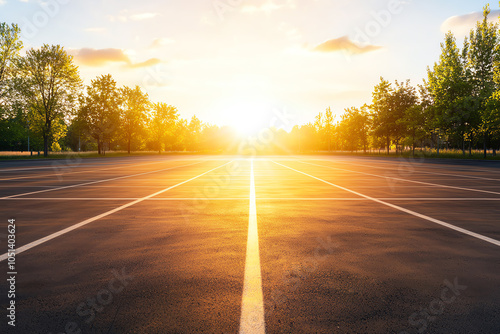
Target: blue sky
232,61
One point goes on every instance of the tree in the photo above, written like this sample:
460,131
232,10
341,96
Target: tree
414,123
325,128
194,129
100,109
483,54
389,105
403,98
10,45
382,117
491,115
309,138
354,128
134,112
448,84
210,138
320,128
13,125
181,136
163,120
329,127
48,82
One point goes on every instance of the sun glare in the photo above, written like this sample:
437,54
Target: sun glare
248,117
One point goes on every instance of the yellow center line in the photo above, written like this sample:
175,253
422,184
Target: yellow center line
252,308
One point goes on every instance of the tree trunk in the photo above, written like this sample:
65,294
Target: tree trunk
99,146
485,145
45,146
463,145
388,144
413,145
128,145
470,147
438,145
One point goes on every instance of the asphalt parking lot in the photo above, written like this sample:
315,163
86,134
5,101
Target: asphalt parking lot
276,244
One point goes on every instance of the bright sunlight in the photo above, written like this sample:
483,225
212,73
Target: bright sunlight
248,116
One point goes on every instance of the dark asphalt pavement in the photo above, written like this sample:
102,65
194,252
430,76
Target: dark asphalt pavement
347,244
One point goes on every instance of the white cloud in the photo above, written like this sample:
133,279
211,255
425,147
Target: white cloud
461,25
267,7
125,16
161,42
345,44
101,57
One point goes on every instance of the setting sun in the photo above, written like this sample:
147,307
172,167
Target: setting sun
248,116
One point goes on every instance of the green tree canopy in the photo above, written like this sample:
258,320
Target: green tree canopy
134,113
10,45
100,109
163,121
49,83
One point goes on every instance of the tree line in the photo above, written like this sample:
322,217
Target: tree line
45,107
457,106
43,101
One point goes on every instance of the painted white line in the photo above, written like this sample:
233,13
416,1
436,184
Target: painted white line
90,220
413,213
37,168
94,182
252,307
201,199
62,199
448,166
81,165
416,171
405,180
55,167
